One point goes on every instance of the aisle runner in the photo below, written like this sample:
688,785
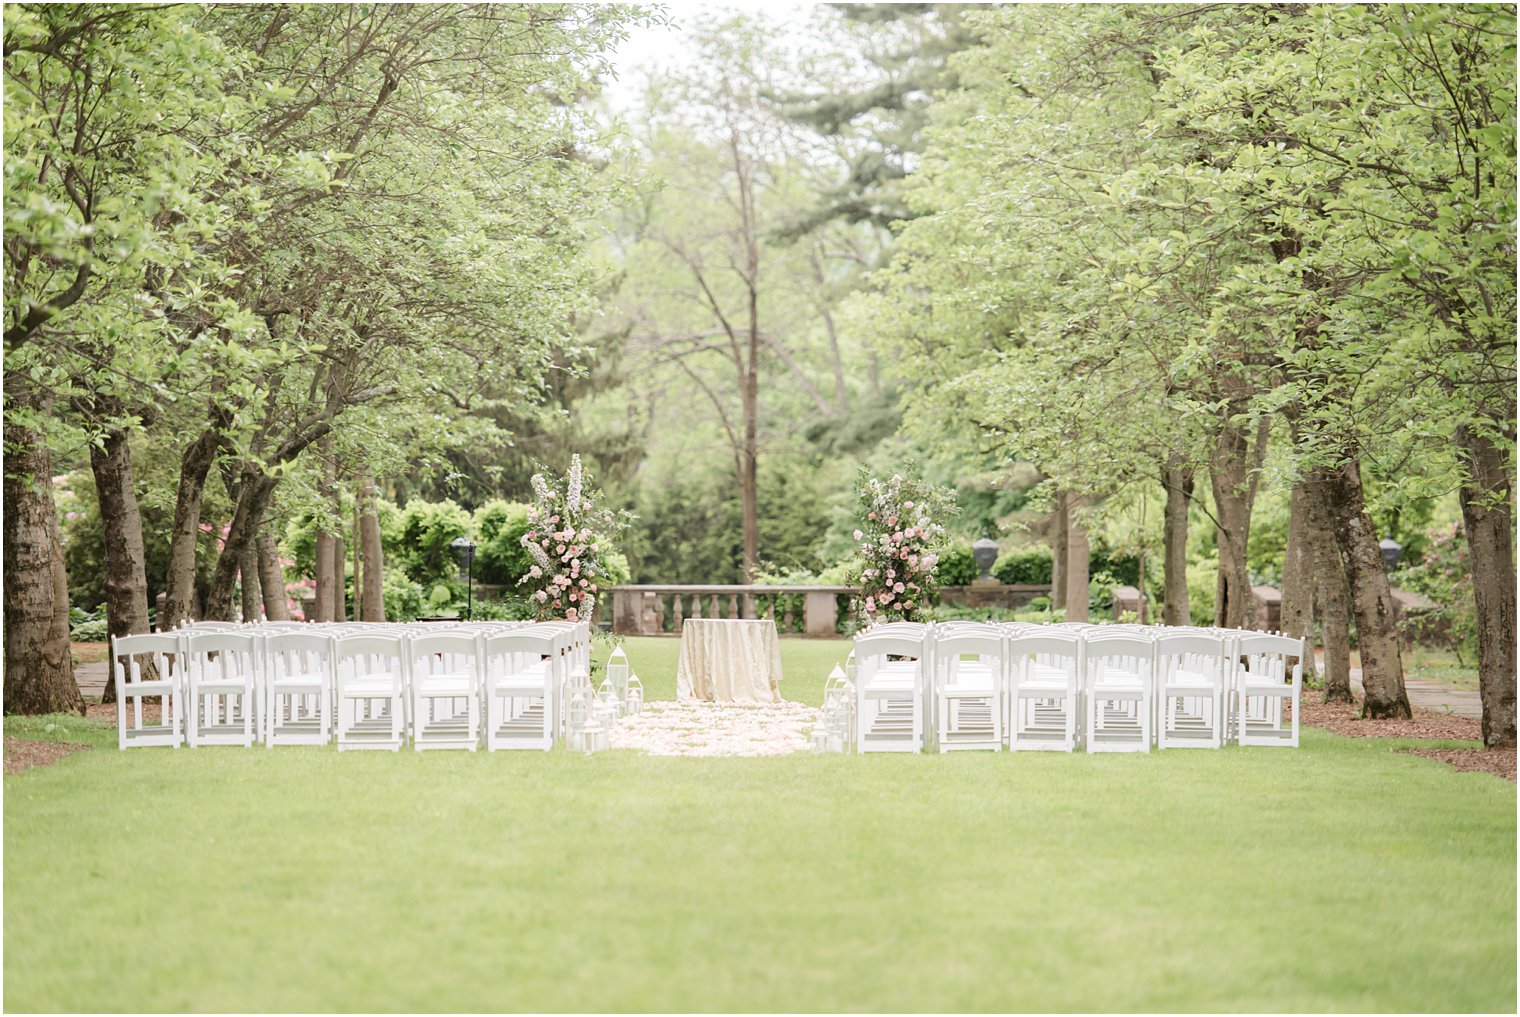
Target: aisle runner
668,728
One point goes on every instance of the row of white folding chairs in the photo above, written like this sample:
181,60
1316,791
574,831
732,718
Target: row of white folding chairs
1106,688
373,685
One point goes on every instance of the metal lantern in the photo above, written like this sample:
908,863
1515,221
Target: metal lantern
1392,552
820,737
595,739
464,552
617,671
633,704
577,716
607,699
849,668
985,552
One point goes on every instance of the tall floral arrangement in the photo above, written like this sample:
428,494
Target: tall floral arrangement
899,538
569,538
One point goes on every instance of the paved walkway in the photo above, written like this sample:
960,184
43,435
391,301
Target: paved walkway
1433,696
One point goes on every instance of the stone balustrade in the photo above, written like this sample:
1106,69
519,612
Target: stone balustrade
653,610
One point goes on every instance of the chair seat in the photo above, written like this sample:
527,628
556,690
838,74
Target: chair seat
371,685
1042,684
155,688
444,685
515,685
971,684
299,681
1266,688
222,684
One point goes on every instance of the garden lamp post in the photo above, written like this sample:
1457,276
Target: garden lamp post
464,550
1392,552
984,552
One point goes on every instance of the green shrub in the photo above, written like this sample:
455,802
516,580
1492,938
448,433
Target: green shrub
88,626
957,567
500,557
1027,567
427,531
1100,590
403,596
1203,582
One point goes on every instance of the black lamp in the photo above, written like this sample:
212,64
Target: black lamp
464,551
1392,552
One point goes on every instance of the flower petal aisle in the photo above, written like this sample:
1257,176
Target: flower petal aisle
667,728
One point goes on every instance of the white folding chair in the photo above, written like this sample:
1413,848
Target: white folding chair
445,672
298,688
1190,691
1118,677
223,688
370,677
523,679
1044,674
890,695
1264,682
969,693
165,670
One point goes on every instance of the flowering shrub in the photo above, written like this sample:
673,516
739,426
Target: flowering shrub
569,539
899,541
1445,576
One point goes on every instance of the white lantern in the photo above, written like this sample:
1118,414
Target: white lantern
820,737
633,704
577,716
617,671
595,738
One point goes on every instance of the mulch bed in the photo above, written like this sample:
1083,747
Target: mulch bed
23,754
105,713
1343,719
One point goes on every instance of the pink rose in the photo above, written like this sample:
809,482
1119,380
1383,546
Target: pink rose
554,519
583,583
560,549
542,596
871,516
858,534
907,504
897,587
892,521
535,572
570,615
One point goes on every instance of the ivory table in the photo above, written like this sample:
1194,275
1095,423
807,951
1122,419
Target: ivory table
729,660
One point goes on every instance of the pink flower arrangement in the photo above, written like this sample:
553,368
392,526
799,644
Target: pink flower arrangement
897,543
567,553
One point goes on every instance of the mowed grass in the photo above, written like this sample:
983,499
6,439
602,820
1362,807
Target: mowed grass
1342,876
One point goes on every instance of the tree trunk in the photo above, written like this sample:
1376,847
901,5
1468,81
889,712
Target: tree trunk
126,571
1329,584
1298,574
39,669
179,584
254,493
373,555
339,607
326,578
1235,606
749,479
272,578
1078,553
1377,637
1179,492
1060,531
1488,517
252,590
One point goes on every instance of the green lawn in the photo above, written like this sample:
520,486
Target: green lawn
1341,876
